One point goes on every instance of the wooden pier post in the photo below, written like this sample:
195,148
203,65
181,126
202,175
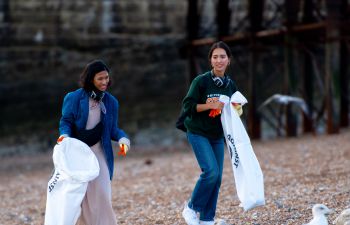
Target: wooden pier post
255,12
332,66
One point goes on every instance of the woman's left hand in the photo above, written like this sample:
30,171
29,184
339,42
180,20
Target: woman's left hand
238,108
124,146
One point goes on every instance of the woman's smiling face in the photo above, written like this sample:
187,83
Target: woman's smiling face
219,61
101,80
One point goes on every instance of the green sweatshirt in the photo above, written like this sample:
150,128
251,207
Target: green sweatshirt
204,90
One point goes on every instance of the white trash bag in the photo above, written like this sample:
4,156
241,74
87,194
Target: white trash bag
75,165
246,169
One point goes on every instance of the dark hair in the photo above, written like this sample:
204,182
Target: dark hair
219,44
89,72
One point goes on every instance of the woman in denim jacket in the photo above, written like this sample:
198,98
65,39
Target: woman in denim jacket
90,114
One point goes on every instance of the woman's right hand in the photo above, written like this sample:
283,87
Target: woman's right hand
216,105
215,108
210,106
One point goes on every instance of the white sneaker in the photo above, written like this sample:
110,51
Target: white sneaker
206,222
190,215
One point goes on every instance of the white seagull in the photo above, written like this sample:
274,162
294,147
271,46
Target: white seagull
343,218
284,100
319,212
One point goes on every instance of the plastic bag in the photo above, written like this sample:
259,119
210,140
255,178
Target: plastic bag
246,169
75,165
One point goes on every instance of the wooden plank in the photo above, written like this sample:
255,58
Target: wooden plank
240,36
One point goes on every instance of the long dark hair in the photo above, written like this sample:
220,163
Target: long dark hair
89,72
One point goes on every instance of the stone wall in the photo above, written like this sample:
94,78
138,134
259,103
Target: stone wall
44,45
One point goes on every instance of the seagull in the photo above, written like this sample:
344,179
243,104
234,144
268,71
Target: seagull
286,99
319,212
343,218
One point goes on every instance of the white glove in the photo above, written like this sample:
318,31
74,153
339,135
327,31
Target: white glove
238,108
124,143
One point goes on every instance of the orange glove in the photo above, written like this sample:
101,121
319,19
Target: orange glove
122,149
124,146
214,112
60,139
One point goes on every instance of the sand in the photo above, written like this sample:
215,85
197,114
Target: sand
150,188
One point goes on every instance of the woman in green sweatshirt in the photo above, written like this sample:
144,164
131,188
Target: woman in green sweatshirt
205,133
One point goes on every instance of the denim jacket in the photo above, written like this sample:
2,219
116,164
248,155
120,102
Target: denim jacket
75,111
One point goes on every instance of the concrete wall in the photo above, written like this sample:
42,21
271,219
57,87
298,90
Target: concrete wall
44,45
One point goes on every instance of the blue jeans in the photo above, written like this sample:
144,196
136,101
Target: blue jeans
210,157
